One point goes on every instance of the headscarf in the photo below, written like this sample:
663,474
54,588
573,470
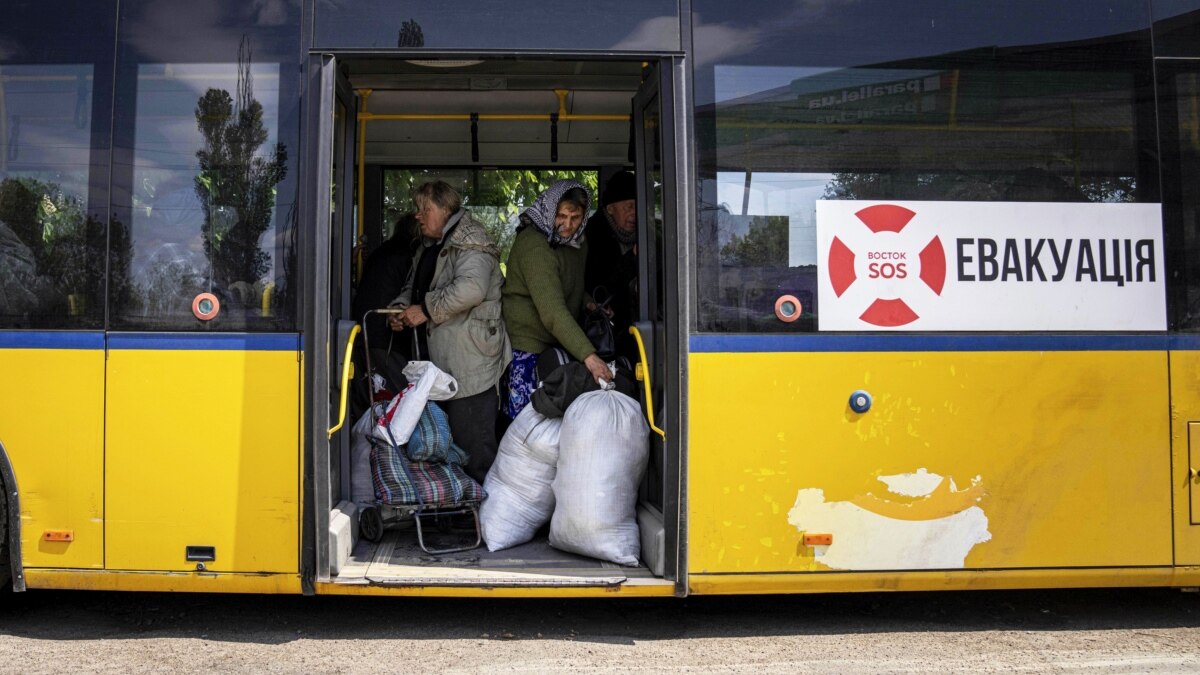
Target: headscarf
545,207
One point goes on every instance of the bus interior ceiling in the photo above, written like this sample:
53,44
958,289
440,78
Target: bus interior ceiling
436,148
496,87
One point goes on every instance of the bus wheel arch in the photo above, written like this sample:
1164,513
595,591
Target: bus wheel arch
10,520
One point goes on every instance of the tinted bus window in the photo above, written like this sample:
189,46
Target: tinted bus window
55,94
652,25
1179,84
206,136
873,100
1177,27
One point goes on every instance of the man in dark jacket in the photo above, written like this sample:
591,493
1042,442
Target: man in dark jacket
383,277
612,256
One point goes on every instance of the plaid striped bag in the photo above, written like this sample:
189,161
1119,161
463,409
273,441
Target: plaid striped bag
430,440
400,481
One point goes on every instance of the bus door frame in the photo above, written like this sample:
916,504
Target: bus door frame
661,296
325,83
325,327
1182,355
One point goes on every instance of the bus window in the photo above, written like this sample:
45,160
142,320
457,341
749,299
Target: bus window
55,97
960,104
208,188
382,24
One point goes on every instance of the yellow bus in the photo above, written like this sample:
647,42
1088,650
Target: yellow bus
918,283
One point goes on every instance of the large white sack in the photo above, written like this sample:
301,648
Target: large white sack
397,422
362,490
603,450
518,486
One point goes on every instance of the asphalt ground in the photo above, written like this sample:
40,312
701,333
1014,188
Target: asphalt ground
1128,630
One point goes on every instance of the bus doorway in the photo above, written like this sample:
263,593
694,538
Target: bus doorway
498,131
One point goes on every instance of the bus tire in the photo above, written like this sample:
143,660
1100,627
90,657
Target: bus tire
12,574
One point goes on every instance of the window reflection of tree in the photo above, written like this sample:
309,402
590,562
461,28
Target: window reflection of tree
52,255
236,187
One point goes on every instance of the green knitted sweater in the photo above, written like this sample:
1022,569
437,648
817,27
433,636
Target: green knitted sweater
544,296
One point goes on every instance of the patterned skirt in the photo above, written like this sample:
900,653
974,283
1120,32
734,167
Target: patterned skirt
522,381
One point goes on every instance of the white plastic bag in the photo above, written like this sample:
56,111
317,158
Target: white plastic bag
519,494
402,414
362,490
603,450
443,387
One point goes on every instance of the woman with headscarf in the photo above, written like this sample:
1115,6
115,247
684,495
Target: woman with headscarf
544,294
452,300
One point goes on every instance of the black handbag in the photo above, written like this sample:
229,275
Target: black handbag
599,328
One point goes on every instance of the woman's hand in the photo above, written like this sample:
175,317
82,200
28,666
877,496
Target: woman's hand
413,316
395,323
598,368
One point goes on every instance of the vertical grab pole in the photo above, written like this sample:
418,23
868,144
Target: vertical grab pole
360,174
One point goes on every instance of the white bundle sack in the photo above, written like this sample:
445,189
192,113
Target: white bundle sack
362,490
603,450
397,422
520,498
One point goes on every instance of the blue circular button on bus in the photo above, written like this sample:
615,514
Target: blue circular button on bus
860,401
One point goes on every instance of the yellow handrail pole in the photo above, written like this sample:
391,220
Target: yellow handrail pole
360,229
645,372
347,367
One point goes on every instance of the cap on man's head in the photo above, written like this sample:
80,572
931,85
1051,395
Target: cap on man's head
620,187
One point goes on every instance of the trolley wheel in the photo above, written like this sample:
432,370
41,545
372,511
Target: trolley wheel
370,524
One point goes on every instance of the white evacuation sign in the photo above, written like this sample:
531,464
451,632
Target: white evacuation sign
990,266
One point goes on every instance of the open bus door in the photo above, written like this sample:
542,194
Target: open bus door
658,310
331,324
1179,89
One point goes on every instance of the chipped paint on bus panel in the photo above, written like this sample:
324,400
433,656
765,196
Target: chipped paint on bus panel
935,531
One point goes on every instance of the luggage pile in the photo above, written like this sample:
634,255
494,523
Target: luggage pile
579,471
415,469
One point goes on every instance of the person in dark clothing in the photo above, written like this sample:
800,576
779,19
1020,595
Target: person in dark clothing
383,277
612,262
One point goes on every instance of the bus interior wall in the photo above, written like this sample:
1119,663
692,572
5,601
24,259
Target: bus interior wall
418,128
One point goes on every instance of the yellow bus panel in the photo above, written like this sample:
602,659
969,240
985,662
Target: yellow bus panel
52,425
966,460
1185,432
203,451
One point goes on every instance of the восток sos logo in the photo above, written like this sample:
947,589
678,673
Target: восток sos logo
891,259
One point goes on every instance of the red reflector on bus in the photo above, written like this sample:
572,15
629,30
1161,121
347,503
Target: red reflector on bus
58,535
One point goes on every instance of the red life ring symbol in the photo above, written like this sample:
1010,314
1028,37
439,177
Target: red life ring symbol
887,312
788,308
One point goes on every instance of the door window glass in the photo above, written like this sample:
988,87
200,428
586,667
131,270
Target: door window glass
1181,193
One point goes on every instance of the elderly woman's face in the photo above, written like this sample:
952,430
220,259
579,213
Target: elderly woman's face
432,218
568,219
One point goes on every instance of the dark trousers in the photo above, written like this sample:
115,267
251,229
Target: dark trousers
473,427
